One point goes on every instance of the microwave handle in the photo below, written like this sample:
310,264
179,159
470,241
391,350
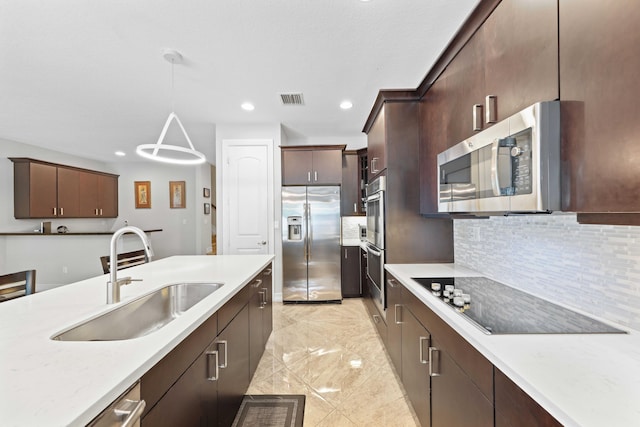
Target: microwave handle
495,176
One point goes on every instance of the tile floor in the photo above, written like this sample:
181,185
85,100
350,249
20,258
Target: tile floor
333,355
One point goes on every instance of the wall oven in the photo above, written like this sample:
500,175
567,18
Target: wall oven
513,166
375,241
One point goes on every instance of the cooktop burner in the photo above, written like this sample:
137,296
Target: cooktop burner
501,309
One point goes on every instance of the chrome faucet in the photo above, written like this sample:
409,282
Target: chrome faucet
113,285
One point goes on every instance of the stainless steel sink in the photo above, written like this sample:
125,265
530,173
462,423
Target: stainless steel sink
141,316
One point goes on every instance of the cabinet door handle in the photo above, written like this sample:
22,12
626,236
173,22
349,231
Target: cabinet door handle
398,317
355,207
216,369
224,342
309,176
315,176
258,283
134,415
421,341
373,165
267,272
477,117
61,211
100,211
345,253
262,299
434,362
491,105
266,298
55,211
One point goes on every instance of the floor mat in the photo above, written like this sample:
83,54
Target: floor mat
270,410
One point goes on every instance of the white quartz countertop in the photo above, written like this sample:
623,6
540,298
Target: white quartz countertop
55,383
581,379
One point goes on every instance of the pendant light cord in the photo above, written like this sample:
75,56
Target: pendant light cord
173,106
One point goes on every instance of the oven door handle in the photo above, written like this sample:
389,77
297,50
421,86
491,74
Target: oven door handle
495,176
374,197
373,251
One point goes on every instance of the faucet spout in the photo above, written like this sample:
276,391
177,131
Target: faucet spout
113,285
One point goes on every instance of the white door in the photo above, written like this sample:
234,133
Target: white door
247,178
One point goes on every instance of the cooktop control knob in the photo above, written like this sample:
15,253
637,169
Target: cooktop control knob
466,298
449,288
457,292
435,286
516,151
458,301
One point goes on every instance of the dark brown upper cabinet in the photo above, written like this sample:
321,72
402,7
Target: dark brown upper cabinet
509,63
353,183
49,190
306,165
377,146
599,88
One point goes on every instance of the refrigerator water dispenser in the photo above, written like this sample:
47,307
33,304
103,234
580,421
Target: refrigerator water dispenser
294,224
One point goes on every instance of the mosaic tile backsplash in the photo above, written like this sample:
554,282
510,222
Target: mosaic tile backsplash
595,268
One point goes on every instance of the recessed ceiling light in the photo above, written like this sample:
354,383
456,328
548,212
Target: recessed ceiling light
120,153
247,106
345,105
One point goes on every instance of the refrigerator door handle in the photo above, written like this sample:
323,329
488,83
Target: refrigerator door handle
306,240
310,232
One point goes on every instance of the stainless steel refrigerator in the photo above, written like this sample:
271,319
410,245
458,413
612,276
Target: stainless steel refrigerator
311,244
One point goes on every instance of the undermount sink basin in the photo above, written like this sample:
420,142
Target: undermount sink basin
141,316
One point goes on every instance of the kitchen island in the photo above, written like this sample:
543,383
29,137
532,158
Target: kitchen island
56,383
580,379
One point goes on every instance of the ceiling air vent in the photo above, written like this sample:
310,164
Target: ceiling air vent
292,99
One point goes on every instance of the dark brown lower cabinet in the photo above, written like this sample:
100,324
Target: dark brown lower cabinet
234,379
191,401
267,311
415,370
350,272
256,345
514,408
202,381
394,323
455,399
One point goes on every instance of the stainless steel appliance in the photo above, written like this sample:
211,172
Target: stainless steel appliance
496,308
375,241
311,244
513,166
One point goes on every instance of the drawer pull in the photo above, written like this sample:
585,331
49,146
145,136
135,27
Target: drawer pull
216,369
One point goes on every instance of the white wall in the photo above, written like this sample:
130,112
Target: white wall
278,134
595,268
272,132
61,260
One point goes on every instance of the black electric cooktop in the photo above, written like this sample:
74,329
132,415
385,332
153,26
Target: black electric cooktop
501,309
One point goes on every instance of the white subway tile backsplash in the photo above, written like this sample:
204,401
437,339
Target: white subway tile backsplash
595,268
350,227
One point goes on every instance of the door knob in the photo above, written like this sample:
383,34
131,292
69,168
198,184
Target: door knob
262,243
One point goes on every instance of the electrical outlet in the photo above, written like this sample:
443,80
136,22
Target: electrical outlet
65,270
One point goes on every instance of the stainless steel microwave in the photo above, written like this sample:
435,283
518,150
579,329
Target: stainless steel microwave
513,166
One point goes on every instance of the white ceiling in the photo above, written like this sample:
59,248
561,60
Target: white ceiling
87,77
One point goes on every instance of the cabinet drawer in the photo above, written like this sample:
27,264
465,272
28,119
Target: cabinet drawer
228,311
167,371
474,364
515,408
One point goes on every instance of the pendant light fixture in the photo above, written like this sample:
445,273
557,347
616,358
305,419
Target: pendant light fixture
182,155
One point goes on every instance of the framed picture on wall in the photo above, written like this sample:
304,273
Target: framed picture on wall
177,195
206,193
142,192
